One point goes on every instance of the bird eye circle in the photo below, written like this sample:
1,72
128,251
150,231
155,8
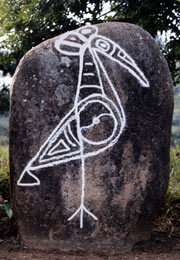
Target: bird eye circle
96,120
103,45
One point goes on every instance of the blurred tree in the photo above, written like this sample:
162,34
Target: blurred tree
26,23
155,16
4,99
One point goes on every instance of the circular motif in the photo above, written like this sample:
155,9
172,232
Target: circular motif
103,45
100,127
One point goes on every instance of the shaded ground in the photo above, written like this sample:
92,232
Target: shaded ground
163,245
157,249
160,247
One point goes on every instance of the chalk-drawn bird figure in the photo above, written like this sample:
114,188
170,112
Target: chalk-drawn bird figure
100,103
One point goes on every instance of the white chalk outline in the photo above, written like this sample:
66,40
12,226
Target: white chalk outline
75,147
88,63
54,151
88,74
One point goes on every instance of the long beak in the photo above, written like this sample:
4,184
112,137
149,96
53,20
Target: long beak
117,54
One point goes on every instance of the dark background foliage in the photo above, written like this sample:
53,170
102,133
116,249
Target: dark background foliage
26,23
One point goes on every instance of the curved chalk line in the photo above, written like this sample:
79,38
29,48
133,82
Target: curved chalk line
75,44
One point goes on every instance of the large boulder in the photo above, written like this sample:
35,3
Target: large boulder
90,128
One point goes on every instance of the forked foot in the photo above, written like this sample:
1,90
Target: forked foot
81,209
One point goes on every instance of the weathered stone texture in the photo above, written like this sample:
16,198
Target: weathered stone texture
125,184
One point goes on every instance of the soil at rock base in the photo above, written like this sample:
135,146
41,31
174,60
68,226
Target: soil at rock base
163,245
160,247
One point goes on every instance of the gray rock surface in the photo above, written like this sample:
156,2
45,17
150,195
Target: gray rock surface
90,128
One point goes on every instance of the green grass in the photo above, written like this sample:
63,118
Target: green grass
4,125
4,172
168,221
174,183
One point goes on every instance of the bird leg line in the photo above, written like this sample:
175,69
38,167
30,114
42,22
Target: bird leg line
82,208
